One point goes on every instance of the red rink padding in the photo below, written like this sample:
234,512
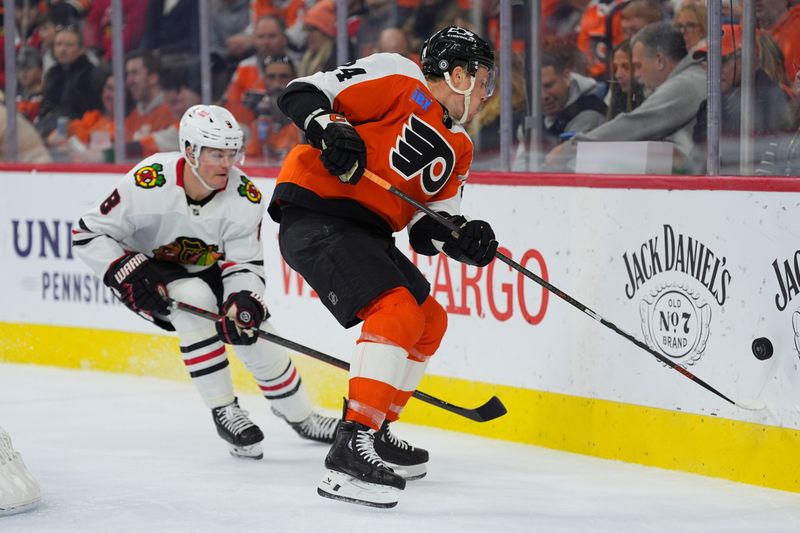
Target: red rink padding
522,179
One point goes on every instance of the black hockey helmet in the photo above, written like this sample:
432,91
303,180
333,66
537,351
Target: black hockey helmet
441,50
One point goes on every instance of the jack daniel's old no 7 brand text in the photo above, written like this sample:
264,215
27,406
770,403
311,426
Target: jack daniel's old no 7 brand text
675,318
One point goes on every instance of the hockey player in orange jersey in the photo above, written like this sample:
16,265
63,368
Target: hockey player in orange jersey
406,125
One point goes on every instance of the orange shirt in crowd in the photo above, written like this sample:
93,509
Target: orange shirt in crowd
141,126
29,107
247,77
786,33
90,122
279,142
592,34
289,13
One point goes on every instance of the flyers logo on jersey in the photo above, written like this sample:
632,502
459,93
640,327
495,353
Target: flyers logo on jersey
420,149
149,176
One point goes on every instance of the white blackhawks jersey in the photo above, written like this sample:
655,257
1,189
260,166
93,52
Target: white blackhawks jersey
149,212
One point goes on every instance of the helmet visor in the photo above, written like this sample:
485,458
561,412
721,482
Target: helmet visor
491,81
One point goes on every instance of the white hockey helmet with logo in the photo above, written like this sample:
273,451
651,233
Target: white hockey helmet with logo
209,126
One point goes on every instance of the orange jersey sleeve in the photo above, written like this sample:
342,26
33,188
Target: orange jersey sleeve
387,100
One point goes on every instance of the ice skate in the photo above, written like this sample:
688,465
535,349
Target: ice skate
19,491
238,431
406,460
314,427
355,472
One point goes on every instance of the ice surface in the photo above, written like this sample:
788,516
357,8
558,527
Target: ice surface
117,454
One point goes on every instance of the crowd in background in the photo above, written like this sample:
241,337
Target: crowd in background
610,70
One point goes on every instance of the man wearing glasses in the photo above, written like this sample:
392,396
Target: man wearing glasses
272,134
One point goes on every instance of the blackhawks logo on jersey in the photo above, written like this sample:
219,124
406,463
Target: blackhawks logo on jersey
150,176
249,190
188,251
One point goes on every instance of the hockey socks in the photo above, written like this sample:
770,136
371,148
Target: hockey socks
375,373
207,362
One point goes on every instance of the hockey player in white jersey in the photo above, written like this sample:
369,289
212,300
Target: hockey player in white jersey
186,224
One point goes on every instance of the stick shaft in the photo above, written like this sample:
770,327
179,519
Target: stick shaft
547,285
490,410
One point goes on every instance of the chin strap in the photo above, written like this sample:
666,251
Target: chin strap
194,167
467,96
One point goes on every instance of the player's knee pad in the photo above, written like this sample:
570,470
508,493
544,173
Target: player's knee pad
263,359
393,317
435,327
196,292
193,291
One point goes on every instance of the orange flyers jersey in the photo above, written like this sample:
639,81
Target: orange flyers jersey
387,100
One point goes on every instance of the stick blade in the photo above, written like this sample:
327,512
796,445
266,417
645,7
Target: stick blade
492,409
752,406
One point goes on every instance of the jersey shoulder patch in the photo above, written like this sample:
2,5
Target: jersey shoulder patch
149,175
247,189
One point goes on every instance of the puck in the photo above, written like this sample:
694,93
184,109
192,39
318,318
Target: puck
762,348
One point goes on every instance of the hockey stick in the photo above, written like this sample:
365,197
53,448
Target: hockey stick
490,410
382,183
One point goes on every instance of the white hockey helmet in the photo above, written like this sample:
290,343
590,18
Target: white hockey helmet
209,126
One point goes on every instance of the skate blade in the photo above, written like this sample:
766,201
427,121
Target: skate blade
338,486
253,451
409,472
6,510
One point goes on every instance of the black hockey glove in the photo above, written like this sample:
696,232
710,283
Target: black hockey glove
243,311
343,151
137,284
475,244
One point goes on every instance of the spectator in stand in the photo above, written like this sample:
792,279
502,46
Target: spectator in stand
677,86
378,15
638,14
229,41
591,38
179,93
68,87
432,15
395,41
782,24
690,20
770,59
151,113
89,138
97,29
485,128
73,10
247,86
30,148
273,134
43,38
570,103
771,103
626,93
320,24
27,16
30,83
291,13
172,29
